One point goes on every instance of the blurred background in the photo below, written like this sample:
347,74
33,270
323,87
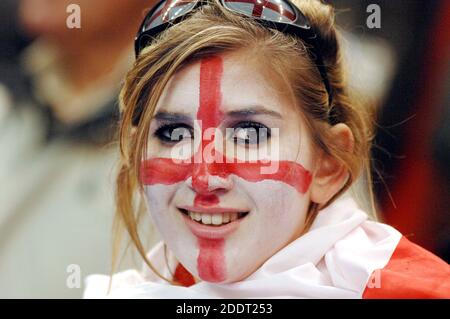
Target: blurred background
58,115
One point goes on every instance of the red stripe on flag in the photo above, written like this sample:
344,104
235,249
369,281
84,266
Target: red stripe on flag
412,272
183,276
269,5
258,9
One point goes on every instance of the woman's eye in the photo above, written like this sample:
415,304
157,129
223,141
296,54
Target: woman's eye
174,133
250,133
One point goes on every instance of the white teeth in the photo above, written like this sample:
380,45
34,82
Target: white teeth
214,219
206,219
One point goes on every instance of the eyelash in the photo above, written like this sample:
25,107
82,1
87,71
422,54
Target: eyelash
160,133
257,126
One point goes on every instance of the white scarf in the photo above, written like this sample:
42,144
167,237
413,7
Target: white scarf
334,259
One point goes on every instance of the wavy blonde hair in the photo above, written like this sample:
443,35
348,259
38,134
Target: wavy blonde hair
214,30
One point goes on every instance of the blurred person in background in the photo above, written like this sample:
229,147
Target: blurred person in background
57,118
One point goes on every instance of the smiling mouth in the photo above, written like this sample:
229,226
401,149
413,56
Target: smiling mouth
217,219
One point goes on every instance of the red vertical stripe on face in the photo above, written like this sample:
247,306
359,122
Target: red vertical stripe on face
211,260
208,115
206,200
211,70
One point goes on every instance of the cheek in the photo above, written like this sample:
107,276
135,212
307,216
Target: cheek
158,198
296,146
278,207
170,225
278,215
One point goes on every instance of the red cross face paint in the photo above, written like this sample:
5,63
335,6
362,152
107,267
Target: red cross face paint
227,173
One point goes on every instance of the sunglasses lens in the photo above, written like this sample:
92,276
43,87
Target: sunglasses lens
168,11
272,10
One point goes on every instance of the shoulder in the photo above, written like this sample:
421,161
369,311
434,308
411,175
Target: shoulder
411,272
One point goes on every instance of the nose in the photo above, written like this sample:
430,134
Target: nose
210,178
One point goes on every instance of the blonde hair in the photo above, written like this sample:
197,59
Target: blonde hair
213,30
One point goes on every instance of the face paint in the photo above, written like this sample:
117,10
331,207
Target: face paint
206,200
210,261
214,186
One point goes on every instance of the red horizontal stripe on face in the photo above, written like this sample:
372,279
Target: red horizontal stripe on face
168,171
164,171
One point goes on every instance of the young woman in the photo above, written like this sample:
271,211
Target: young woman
239,133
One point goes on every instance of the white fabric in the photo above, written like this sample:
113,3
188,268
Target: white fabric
335,259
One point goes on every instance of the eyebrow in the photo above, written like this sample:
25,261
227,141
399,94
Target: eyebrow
249,111
172,116
254,110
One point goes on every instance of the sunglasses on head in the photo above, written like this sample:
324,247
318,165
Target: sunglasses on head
281,15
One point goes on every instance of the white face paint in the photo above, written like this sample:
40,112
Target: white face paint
227,91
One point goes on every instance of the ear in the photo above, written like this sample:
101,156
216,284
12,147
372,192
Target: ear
330,175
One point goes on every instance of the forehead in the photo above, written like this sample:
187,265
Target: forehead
243,82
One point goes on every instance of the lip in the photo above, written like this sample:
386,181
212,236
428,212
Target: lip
211,232
212,210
